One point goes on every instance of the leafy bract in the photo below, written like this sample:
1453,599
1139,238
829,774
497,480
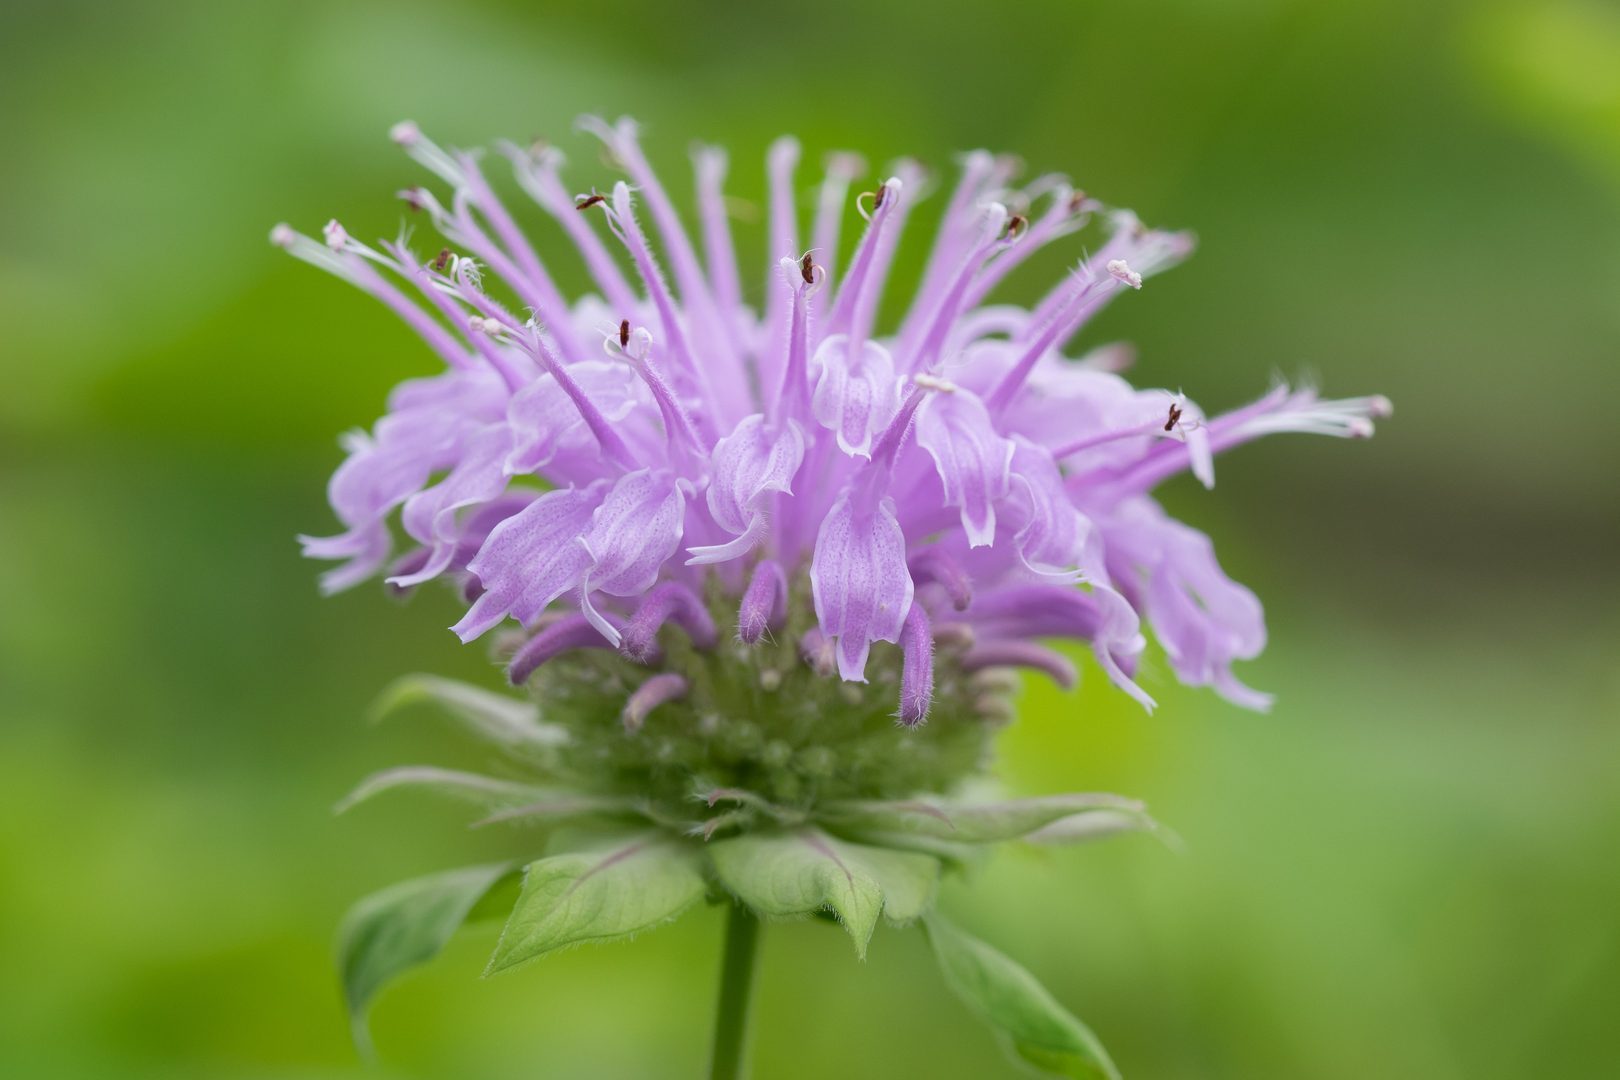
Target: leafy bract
804,871
980,822
1035,1029
489,792
507,722
614,887
405,925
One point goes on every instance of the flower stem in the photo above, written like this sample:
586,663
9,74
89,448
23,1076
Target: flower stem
736,993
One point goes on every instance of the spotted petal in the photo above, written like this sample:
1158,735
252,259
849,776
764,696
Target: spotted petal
531,558
858,576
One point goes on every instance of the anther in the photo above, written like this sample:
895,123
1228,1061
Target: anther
415,199
925,381
442,260
806,266
587,201
1015,227
879,195
1122,273
335,234
624,333
1175,416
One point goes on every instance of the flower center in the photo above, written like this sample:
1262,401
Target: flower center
765,729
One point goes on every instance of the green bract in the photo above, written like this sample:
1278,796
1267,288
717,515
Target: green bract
767,785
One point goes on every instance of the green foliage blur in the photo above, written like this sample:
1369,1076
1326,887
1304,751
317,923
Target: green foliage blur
1406,871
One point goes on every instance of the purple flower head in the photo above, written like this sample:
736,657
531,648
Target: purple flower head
594,470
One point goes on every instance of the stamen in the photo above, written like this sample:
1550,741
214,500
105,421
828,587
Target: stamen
1089,442
621,140
605,435
780,163
623,222
1061,219
678,430
981,173
793,397
993,232
1122,272
536,173
852,301
353,269
528,274
1086,292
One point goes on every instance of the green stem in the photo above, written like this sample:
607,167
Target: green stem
736,992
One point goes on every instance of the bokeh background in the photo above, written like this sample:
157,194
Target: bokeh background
1407,870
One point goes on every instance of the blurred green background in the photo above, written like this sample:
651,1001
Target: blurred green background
1407,870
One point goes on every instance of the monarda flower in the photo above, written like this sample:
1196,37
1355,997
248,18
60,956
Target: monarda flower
766,566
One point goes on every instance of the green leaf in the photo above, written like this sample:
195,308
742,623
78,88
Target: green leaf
805,871
507,722
981,823
489,792
1028,1020
405,925
616,887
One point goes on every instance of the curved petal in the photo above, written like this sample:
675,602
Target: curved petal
1204,620
855,397
973,461
632,534
531,558
1051,534
747,467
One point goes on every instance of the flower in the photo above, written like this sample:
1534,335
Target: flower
631,476
659,442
